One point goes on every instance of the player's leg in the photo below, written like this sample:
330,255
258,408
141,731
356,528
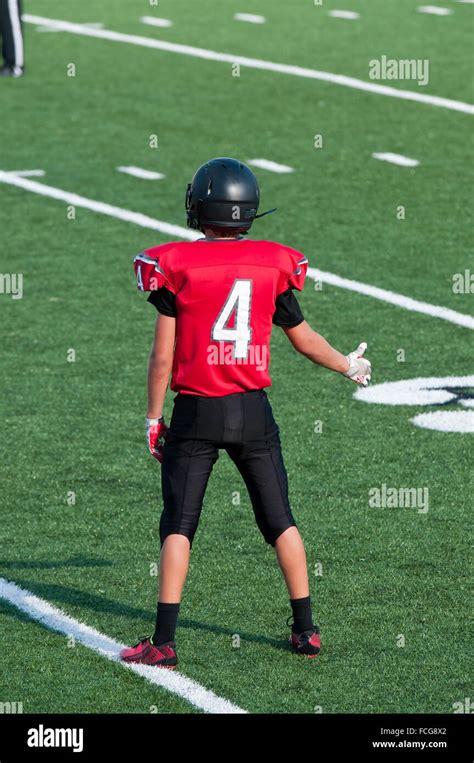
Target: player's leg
187,465
12,38
259,460
291,557
186,468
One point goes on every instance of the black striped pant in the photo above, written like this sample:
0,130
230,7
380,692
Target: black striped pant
11,34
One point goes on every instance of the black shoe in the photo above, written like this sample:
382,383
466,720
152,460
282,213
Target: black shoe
307,643
11,71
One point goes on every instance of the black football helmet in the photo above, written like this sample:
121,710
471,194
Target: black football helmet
223,195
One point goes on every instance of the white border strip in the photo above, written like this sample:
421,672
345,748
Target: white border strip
176,231
253,63
56,620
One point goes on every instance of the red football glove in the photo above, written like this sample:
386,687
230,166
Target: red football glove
156,431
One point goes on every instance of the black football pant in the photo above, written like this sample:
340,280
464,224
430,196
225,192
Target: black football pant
243,425
11,34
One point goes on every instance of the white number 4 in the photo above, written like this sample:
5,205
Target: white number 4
238,301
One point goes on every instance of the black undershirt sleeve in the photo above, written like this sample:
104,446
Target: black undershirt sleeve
288,312
164,300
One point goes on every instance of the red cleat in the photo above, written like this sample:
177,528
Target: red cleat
307,643
146,653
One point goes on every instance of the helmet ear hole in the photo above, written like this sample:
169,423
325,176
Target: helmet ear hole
209,187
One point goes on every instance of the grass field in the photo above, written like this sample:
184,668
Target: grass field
392,600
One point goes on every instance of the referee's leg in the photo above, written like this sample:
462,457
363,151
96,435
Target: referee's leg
12,38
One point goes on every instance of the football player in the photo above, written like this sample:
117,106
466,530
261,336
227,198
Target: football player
217,299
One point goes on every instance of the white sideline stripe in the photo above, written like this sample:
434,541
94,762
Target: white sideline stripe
403,161
266,164
344,14
185,233
28,173
254,63
98,206
56,620
251,18
407,303
434,9
155,21
138,172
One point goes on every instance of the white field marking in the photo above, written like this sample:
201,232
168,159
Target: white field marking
254,63
28,173
344,14
92,25
56,620
407,303
445,421
251,18
266,164
435,10
420,391
138,172
98,206
403,161
154,21
177,231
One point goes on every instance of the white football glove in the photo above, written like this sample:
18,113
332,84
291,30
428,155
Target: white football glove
360,369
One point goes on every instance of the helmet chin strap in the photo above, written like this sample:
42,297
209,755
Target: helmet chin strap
266,213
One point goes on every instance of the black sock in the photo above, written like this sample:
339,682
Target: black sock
166,619
302,615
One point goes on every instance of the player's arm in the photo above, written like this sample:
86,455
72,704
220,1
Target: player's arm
315,347
159,369
160,364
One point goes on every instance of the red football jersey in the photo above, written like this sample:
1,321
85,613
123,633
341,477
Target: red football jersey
225,300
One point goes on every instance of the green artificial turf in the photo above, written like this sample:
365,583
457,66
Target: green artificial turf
78,426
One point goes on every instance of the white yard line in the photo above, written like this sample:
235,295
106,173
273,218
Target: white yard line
138,172
435,10
28,173
407,303
56,620
176,231
344,14
267,164
402,161
254,63
98,206
155,21
92,25
250,18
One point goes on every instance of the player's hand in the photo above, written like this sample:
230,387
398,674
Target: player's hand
156,431
360,369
